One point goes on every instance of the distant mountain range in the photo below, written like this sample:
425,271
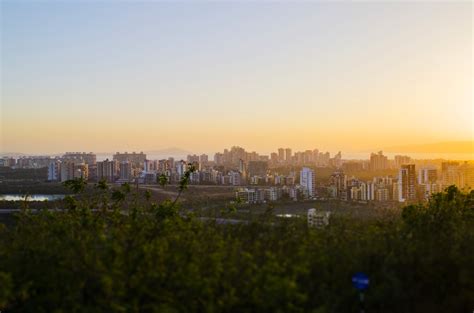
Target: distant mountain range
155,154
440,147
168,152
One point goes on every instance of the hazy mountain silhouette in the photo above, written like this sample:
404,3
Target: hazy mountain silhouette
439,147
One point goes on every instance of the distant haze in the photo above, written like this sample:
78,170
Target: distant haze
466,147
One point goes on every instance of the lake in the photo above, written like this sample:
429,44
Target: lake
38,197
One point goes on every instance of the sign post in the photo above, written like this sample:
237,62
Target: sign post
361,283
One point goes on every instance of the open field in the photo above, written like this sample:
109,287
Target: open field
194,194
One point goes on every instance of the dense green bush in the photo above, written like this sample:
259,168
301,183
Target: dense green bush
115,252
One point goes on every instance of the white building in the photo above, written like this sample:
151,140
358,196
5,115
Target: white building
250,195
308,181
367,191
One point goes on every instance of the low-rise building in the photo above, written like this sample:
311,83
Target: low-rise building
317,218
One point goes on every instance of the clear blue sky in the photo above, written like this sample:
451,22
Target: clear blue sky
106,76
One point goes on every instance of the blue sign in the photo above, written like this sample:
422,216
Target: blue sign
360,281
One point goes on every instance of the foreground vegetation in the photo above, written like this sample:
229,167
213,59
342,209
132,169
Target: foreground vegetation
112,253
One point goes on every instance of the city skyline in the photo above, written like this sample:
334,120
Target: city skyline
137,76
287,153
259,178
458,151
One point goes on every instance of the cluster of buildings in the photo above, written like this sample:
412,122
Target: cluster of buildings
123,167
29,162
282,187
260,178
409,185
284,156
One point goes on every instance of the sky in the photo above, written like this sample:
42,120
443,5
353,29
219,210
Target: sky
127,75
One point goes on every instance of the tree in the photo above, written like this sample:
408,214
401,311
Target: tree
139,256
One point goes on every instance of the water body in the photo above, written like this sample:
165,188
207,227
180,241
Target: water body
37,197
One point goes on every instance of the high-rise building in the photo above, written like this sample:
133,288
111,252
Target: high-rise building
203,159
33,162
407,183
192,159
171,164
308,157
147,166
378,161
427,175
450,174
467,176
299,158
281,154
71,170
338,181
136,159
78,157
323,159
67,171
315,156
54,170
218,158
274,157
257,168
401,160
243,170
288,155
125,171
308,181
337,160
108,170
81,170
395,192
7,162
235,178
367,191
